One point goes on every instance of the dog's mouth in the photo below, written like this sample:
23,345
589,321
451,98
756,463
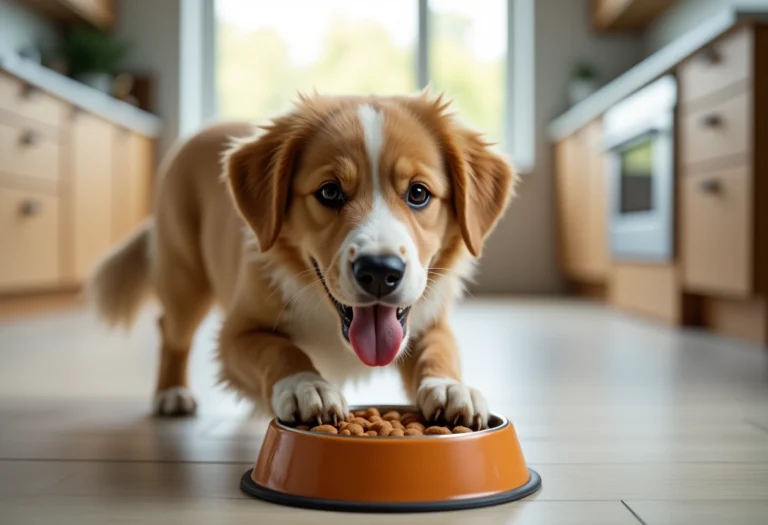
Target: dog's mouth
375,332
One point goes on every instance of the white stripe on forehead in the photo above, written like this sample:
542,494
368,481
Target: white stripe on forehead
373,137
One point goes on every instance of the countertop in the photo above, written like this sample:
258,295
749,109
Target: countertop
653,67
81,96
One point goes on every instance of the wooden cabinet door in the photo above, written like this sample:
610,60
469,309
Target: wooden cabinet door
582,205
29,240
132,182
716,232
90,193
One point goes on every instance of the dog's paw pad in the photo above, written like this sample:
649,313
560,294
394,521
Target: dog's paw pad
175,401
308,398
455,402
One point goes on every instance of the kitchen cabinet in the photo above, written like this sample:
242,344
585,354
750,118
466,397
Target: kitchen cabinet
626,15
71,184
581,187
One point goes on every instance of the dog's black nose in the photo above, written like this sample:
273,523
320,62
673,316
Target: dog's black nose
378,275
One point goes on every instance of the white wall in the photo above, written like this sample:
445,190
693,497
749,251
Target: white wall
686,15
20,27
521,254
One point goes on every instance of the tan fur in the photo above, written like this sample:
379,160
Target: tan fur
245,242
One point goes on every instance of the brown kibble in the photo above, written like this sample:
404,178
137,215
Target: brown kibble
359,413
325,429
396,424
356,429
418,426
345,432
413,432
391,415
343,425
380,425
397,432
362,422
373,412
350,416
461,430
372,433
302,427
374,419
410,417
385,431
433,431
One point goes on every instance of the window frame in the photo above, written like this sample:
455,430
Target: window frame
519,94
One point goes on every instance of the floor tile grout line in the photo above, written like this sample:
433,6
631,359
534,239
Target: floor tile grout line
633,512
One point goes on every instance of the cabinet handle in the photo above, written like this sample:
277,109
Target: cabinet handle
711,56
710,186
712,121
29,91
30,208
30,138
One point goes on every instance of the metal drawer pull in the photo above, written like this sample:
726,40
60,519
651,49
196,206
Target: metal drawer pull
710,186
30,208
712,121
30,138
711,56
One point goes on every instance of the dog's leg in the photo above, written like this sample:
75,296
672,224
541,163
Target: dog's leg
185,299
270,370
432,379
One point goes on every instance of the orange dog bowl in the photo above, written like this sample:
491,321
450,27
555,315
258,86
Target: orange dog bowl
391,474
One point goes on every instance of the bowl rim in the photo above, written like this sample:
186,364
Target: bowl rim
503,423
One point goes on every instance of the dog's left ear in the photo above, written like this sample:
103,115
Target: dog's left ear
258,171
483,184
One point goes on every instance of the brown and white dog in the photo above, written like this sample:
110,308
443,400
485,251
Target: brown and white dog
340,237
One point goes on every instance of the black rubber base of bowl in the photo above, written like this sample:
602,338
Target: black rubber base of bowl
254,489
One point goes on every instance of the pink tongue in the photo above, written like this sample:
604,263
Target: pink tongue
375,334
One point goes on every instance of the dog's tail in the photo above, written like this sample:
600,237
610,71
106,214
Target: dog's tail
122,279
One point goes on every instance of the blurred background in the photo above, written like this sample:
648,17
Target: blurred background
619,315
96,91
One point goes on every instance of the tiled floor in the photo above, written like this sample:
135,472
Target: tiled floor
627,422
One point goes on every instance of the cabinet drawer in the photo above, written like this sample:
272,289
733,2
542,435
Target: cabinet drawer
27,151
719,65
30,102
29,237
716,232
720,130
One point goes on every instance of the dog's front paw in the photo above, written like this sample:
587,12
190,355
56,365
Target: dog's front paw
307,397
174,402
454,401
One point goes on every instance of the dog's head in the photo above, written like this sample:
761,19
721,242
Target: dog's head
378,196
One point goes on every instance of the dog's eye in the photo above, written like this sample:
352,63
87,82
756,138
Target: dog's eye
418,196
331,195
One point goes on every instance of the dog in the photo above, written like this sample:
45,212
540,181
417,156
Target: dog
335,240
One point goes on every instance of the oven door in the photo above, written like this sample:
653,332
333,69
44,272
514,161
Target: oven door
641,219
639,134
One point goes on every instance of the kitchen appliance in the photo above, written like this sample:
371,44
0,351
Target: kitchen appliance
639,141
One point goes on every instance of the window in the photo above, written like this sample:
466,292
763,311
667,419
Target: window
264,52
269,50
467,59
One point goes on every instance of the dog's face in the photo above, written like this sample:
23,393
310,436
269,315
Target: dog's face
377,197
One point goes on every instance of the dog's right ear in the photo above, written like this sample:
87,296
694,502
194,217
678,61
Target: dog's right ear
258,171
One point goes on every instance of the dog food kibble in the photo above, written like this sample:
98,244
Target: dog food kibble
391,416
325,429
356,429
371,423
433,431
396,424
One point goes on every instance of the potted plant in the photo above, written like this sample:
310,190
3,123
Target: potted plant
583,82
93,56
